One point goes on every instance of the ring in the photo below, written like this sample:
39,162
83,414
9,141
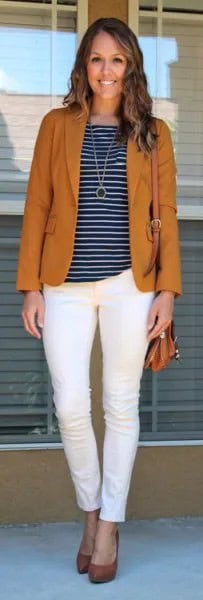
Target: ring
162,334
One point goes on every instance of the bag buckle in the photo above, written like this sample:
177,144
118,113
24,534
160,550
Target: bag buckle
156,224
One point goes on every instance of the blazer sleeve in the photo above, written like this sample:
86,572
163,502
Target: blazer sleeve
37,205
169,274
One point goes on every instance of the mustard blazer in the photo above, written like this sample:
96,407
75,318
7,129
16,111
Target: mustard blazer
50,215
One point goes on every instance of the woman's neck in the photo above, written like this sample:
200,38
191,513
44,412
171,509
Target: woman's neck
104,113
103,119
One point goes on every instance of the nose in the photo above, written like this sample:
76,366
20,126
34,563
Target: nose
106,68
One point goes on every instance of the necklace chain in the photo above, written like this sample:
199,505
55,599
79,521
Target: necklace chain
101,191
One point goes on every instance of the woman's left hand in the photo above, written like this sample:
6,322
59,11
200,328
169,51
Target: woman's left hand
160,314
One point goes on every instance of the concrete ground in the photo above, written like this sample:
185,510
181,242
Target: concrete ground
159,559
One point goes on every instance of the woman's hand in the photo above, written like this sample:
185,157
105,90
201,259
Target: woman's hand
160,315
33,305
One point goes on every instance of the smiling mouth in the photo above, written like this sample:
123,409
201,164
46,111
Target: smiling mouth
106,82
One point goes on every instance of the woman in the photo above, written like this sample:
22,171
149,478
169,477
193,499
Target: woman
86,244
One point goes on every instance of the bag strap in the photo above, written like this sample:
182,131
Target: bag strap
155,221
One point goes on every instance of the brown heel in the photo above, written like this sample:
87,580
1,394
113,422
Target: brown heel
104,573
82,562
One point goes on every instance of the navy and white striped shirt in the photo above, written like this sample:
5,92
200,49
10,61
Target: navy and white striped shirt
101,247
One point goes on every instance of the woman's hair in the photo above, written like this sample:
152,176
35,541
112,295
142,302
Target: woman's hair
136,119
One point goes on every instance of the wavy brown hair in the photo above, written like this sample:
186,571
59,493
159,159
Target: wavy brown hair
136,119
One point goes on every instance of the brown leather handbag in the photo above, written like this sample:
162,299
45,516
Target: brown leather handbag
164,348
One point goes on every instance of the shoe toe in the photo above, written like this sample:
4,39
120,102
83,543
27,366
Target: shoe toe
101,573
104,573
83,562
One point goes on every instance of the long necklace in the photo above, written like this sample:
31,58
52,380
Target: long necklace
101,190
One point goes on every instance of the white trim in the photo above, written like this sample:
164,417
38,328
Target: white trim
133,15
159,49
174,16
54,15
171,443
159,15
33,446
26,5
82,19
170,16
65,8
59,445
38,5
148,13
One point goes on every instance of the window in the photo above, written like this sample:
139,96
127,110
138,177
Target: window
171,401
173,63
171,37
37,47
170,34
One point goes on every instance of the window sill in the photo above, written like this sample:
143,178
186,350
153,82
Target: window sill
59,446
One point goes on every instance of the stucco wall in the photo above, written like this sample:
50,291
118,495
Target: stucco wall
36,485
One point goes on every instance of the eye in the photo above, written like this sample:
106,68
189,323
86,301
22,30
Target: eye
116,59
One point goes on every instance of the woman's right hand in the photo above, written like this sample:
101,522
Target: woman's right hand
33,306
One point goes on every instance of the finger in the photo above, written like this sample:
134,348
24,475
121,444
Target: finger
159,327
151,319
40,317
31,331
30,326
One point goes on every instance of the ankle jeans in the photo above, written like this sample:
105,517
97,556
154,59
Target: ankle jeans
72,311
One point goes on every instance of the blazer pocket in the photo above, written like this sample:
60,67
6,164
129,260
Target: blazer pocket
149,231
51,224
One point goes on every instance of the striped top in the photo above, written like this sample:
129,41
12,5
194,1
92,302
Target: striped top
101,247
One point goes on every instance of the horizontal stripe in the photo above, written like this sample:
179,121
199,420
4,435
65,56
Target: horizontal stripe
105,206
115,220
106,260
100,255
114,225
101,245
115,242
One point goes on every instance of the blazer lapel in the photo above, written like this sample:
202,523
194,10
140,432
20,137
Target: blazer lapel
135,163
74,134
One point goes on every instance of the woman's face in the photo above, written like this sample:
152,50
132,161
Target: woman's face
106,66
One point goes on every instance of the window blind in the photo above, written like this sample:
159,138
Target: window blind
170,402
176,410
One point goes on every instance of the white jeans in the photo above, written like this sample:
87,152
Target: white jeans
71,314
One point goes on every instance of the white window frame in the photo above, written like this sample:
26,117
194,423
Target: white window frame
184,212
134,13
16,207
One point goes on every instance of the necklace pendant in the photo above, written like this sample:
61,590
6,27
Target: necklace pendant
100,192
